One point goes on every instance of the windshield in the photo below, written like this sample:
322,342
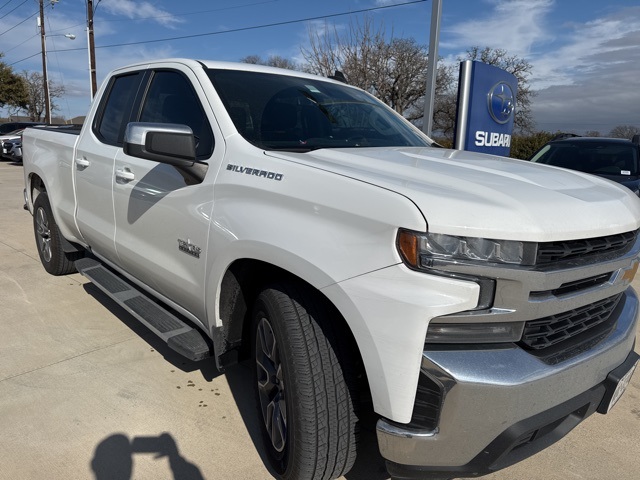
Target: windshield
281,112
601,158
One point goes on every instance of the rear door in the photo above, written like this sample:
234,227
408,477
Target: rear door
162,215
94,163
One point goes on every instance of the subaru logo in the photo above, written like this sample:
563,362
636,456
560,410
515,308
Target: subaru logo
501,102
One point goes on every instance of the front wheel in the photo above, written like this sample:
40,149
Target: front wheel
49,239
304,384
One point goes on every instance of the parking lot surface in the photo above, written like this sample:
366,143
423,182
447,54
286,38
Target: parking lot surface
86,392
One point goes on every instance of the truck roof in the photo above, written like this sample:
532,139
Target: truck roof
214,64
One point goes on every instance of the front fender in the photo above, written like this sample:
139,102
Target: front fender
389,311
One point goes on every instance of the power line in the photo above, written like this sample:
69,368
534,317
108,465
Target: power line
241,29
20,23
26,58
254,27
6,4
15,8
21,43
171,15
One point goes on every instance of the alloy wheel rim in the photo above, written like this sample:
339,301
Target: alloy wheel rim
43,234
271,389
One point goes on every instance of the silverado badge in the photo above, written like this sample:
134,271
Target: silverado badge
189,248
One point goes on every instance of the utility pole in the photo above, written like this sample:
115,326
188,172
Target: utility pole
432,66
92,49
45,80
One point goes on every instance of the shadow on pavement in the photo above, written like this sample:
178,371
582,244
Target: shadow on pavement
207,367
113,457
369,463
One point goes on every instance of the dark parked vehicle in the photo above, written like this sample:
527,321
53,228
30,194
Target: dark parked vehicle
11,126
614,158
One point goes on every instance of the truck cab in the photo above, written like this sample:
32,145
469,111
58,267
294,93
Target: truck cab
480,304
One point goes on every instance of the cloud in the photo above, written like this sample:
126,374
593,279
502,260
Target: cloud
516,25
590,83
141,11
590,48
384,3
585,73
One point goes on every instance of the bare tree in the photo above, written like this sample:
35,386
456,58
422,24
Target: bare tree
518,67
271,61
35,103
394,70
592,133
624,131
445,101
445,107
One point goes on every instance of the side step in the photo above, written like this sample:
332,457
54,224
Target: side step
178,335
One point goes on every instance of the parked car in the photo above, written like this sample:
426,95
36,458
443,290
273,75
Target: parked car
7,144
12,149
617,159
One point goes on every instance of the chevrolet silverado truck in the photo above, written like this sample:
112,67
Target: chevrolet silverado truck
479,305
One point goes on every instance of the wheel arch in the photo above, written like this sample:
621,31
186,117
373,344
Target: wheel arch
35,186
240,285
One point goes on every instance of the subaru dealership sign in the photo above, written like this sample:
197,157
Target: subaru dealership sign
486,108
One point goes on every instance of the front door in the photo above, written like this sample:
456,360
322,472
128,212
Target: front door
162,215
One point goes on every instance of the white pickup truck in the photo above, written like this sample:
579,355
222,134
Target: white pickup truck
480,304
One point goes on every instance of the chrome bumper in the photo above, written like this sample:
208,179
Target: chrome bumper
487,391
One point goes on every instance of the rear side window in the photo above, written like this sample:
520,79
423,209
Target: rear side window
171,99
116,109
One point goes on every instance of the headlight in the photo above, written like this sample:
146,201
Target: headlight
421,250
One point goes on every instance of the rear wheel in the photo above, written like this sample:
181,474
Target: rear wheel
49,240
304,384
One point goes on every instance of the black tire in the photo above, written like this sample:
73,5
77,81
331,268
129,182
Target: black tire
304,384
49,240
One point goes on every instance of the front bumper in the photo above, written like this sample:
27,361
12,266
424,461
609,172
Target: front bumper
503,404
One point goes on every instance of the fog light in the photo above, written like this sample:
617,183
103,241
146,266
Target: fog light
474,332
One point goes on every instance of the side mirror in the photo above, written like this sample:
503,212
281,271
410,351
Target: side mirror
161,142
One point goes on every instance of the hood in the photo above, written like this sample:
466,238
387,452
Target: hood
471,194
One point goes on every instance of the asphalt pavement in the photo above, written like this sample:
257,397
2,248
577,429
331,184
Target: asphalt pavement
88,393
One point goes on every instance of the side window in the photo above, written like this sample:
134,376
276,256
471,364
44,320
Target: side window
171,99
117,108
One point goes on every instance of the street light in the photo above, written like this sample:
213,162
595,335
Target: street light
47,95
45,79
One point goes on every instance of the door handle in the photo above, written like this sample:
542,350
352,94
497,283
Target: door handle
82,162
125,175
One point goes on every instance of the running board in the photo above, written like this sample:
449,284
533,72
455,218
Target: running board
178,335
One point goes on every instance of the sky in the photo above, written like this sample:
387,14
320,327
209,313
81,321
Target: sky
585,54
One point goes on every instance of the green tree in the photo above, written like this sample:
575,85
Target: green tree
524,146
13,92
